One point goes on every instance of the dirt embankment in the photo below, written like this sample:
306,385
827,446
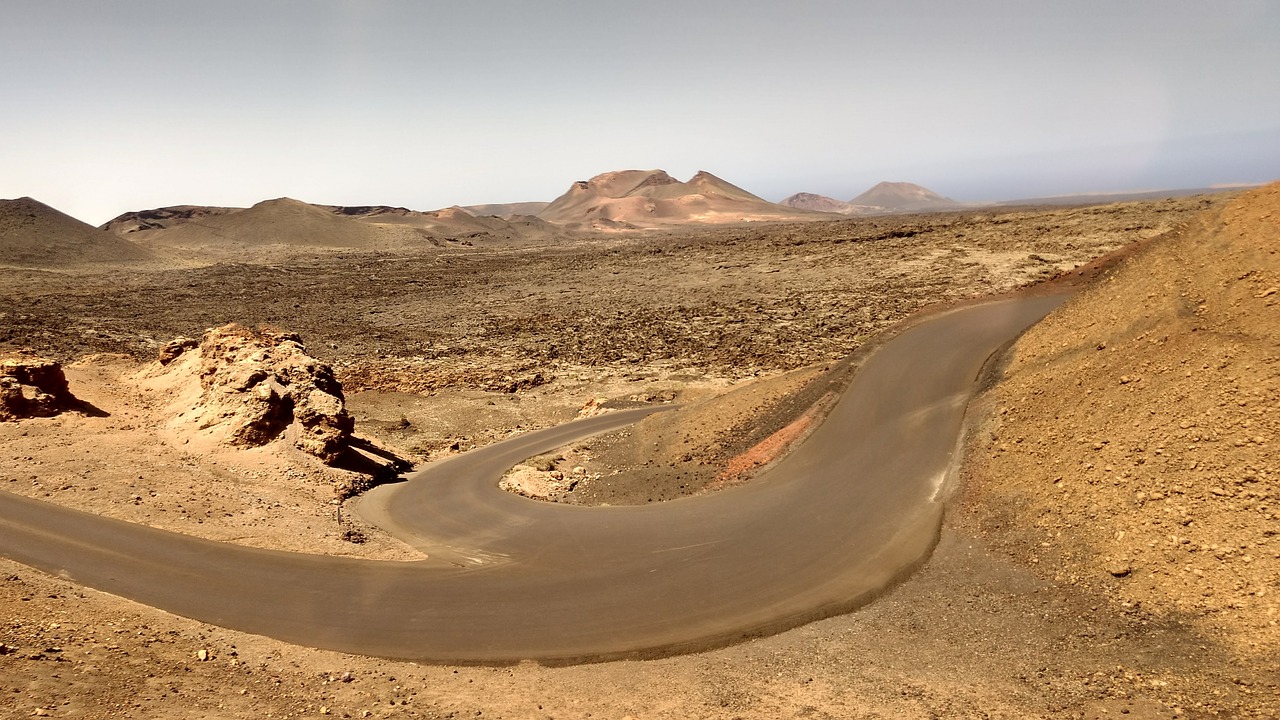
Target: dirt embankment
1133,442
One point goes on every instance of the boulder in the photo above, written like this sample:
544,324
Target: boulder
262,384
174,349
32,386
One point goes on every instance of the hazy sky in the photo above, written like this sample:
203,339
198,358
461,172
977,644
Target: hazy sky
114,105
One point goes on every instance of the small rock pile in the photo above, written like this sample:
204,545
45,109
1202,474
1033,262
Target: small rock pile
263,383
541,484
32,387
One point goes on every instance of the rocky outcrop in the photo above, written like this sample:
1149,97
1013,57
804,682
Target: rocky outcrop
261,385
32,387
173,349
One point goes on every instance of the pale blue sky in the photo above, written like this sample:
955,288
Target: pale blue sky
113,106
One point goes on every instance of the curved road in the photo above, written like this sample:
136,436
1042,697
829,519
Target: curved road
853,509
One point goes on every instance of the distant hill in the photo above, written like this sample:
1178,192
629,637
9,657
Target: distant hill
1121,196
821,203
282,227
35,235
506,210
141,221
903,197
631,199
282,221
884,198
453,222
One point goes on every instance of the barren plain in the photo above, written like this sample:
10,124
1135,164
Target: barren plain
1020,613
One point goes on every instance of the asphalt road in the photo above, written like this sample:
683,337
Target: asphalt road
852,510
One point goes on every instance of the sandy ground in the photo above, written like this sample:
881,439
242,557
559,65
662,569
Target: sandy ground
451,351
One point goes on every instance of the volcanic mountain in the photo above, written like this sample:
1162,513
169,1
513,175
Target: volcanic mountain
821,203
142,221
453,223
903,197
280,222
631,199
33,234
289,226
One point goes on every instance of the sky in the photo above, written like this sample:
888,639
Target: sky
111,106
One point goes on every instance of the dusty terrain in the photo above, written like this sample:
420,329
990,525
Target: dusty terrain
452,348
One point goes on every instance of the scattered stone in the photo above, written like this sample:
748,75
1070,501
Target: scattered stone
1119,568
538,483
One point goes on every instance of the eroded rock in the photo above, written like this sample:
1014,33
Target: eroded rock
263,384
175,347
32,386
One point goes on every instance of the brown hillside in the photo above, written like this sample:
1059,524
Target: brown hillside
506,210
652,198
33,234
449,223
708,184
142,222
1137,440
280,222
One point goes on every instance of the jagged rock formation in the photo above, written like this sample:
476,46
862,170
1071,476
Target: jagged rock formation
32,387
260,385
